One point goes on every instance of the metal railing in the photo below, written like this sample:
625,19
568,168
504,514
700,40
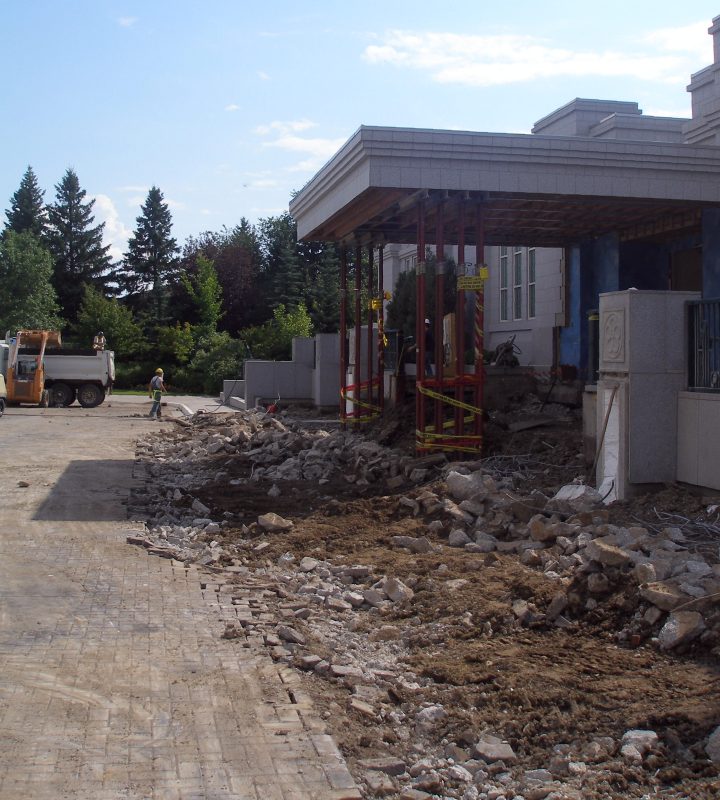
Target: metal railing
704,346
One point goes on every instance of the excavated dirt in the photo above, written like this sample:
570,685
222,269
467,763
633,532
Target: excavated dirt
538,686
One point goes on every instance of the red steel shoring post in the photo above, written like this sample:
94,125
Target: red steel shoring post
460,325
343,335
479,324
370,349
439,309
381,328
420,321
357,375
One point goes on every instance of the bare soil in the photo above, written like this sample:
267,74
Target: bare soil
538,686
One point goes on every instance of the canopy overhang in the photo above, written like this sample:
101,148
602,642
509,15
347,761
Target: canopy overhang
534,190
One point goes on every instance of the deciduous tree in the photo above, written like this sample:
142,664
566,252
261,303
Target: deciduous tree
27,297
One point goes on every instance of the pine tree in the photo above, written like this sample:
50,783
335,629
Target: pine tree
27,210
150,259
76,246
325,292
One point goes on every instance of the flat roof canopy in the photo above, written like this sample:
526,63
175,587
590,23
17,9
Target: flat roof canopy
543,191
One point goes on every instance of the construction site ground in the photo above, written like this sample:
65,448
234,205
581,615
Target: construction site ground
559,695
542,687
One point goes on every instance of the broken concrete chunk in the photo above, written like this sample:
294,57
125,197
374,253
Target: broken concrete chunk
420,544
681,627
397,591
199,508
288,634
490,748
274,522
603,552
307,564
712,748
636,744
464,487
458,538
390,766
664,595
427,717
577,496
540,530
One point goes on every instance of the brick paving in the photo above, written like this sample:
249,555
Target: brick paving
114,679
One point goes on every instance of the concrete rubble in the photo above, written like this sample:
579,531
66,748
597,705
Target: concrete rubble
338,608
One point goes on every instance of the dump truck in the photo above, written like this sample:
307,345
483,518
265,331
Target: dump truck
38,371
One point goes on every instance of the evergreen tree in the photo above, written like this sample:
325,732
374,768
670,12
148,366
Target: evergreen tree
76,246
27,297
150,260
325,292
27,210
206,292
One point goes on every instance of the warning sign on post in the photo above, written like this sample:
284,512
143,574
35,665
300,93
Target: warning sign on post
470,283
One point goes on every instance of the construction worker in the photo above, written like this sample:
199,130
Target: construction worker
99,341
156,389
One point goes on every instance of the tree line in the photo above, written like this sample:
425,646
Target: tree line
199,310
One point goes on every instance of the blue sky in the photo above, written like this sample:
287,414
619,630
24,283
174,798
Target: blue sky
230,105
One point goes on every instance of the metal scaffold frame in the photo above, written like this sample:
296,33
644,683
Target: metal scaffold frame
448,404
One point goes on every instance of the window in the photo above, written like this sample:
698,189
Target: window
517,282
531,283
503,283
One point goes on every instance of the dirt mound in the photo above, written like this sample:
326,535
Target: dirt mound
474,645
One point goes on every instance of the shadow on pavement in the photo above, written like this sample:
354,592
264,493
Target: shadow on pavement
92,490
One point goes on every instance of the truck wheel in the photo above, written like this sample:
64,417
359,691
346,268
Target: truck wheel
61,395
89,395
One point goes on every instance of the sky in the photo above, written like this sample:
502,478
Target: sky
229,106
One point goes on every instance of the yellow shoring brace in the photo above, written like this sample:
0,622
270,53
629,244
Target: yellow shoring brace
424,438
362,404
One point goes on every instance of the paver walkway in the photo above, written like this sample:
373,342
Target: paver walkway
114,680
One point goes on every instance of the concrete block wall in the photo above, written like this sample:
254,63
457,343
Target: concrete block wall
312,375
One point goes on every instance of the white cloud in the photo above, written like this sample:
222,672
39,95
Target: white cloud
174,205
319,150
508,58
286,138
264,183
232,107
127,22
116,232
263,75
691,38
294,126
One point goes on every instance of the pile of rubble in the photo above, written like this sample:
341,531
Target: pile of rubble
355,626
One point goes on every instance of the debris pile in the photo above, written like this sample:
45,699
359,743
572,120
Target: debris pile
424,598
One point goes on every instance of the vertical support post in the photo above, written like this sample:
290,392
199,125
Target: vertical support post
357,373
439,310
420,322
381,329
479,323
343,335
370,348
460,325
